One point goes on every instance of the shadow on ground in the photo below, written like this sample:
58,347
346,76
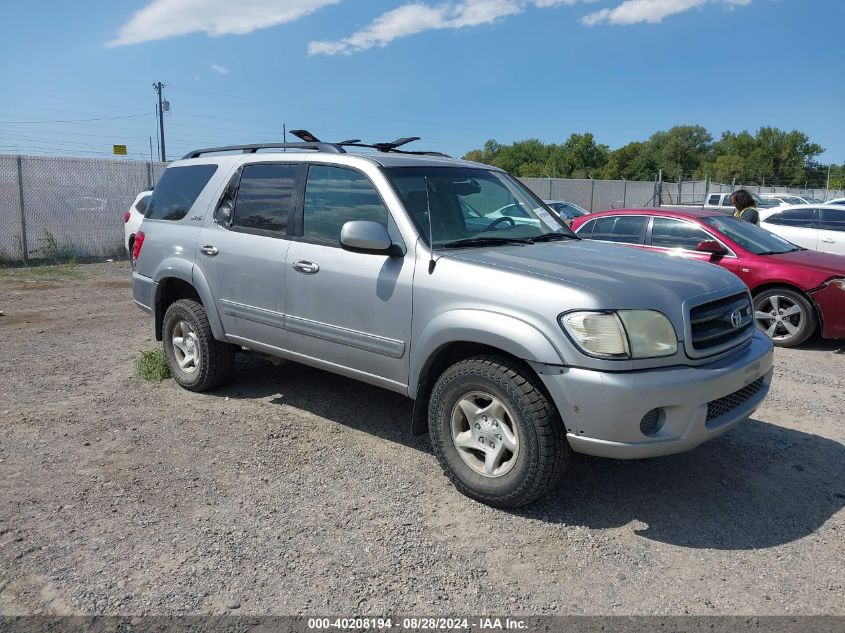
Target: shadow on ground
758,486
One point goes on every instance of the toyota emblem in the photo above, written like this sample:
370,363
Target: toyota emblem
736,318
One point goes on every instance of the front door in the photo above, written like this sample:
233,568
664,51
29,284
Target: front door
242,254
350,312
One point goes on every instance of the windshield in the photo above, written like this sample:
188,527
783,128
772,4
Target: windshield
466,204
750,236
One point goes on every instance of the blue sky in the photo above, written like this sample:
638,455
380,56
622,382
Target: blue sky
455,72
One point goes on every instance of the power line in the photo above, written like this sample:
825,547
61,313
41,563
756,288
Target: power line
108,118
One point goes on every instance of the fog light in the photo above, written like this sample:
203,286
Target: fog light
652,422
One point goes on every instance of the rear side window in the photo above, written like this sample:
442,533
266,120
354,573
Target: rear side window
832,220
802,218
177,191
334,196
264,197
586,230
141,207
714,200
627,229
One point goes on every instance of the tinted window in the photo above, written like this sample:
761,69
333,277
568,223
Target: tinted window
714,200
832,219
141,206
334,196
793,217
628,229
264,196
670,233
586,230
177,191
749,236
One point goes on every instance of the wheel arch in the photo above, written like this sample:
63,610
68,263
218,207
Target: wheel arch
176,285
446,356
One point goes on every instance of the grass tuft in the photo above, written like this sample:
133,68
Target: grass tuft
152,365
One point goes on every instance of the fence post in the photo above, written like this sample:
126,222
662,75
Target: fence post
24,244
660,188
624,194
149,174
592,191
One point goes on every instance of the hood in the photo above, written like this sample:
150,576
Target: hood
826,264
624,275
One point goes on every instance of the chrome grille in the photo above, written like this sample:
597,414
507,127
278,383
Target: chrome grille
718,325
723,406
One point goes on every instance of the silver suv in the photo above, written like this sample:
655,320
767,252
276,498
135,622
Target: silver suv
451,283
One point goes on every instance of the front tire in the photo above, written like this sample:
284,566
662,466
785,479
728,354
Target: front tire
197,361
495,433
786,316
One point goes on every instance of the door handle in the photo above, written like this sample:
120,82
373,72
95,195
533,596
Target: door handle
309,268
209,250
827,240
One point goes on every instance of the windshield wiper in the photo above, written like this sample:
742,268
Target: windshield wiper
548,237
485,241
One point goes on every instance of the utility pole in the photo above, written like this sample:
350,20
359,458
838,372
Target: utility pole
158,87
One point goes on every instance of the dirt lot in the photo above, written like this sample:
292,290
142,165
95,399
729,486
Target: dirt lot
295,491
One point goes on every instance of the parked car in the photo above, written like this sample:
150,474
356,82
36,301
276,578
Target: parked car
518,342
722,202
782,199
568,211
836,201
132,219
816,227
796,291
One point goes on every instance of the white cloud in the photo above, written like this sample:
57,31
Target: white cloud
161,19
220,70
652,11
416,17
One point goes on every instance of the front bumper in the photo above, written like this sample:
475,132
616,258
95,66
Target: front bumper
602,410
831,303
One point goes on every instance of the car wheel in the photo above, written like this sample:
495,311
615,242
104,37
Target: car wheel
197,360
495,433
785,315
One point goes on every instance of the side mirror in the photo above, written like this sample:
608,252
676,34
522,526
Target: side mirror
362,236
223,214
711,246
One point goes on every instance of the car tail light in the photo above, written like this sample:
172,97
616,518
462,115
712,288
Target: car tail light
139,242
126,217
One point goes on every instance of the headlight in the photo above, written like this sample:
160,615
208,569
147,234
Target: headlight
622,334
839,283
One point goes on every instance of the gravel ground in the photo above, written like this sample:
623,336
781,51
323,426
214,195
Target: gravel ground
295,491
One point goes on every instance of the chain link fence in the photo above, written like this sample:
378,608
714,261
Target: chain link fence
57,207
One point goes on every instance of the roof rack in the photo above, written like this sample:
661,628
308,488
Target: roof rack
253,148
311,142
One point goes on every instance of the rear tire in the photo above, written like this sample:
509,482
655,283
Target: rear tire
785,315
495,433
198,361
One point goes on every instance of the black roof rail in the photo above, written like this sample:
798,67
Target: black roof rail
334,148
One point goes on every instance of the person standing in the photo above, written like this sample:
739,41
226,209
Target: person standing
745,206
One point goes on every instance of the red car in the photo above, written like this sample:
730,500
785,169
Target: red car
796,291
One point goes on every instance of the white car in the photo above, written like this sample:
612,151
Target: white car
568,211
836,201
132,219
818,227
785,198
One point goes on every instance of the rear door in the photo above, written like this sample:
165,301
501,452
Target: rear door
347,311
832,231
799,226
242,253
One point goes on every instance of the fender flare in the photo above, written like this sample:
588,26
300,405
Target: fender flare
507,333
174,268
